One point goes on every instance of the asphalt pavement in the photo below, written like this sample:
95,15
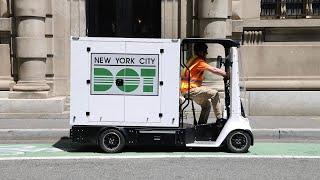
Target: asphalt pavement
264,127
163,168
64,161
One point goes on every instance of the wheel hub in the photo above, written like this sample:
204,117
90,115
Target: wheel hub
239,140
111,140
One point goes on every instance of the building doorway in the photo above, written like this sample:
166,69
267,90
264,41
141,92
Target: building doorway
124,18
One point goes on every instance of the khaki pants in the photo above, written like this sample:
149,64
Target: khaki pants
202,96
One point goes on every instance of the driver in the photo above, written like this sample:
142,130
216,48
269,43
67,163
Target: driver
198,93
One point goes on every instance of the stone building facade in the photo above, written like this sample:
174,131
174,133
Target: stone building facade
280,43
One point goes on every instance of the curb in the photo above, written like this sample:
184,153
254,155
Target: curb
283,133
43,134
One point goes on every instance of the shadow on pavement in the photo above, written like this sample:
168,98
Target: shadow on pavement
65,144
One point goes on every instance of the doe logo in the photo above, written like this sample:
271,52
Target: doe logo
138,81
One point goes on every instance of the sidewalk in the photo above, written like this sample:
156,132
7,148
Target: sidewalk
264,127
286,127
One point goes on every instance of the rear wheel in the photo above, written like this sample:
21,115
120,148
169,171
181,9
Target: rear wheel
238,141
111,141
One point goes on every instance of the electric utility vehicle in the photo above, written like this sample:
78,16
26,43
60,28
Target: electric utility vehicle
125,92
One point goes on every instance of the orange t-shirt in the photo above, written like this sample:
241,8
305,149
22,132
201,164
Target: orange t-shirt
197,68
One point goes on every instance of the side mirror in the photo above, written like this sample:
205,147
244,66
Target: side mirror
219,62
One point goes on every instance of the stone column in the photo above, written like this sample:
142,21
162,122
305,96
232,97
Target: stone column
169,18
4,8
213,17
6,81
5,69
31,49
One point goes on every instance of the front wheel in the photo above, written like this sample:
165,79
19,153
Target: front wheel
238,141
111,141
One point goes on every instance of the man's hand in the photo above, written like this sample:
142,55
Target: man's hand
227,77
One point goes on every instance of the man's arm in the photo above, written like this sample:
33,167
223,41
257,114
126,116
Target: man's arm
217,71
205,66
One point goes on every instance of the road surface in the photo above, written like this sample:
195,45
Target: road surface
60,161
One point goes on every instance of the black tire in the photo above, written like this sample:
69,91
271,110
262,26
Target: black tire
238,141
111,141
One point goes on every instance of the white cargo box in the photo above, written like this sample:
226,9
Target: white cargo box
125,82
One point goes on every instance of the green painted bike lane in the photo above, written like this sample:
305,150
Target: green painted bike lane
259,149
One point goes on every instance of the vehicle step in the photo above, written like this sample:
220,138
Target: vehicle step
203,144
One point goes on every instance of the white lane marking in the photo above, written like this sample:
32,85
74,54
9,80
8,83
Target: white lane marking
289,129
19,149
59,129
260,129
33,130
161,156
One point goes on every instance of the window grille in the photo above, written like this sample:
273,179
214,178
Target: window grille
274,9
295,8
270,9
314,6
